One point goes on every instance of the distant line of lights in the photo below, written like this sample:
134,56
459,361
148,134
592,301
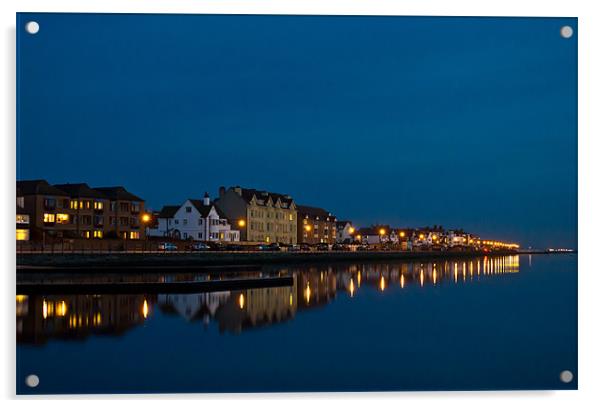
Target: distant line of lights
500,244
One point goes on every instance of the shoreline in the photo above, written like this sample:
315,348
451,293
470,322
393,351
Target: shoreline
178,262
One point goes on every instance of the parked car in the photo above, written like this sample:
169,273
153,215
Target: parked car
322,247
200,246
304,247
363,247
340,247
167,246
216,246
270,247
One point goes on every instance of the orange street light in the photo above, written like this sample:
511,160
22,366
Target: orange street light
308,228
351,230
382,231
146,218
402,234
242,223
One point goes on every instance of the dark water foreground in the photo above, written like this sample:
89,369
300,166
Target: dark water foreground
507,322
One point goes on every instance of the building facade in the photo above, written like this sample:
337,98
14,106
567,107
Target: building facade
346,232
78,211
261,216
198,220
86,210
22,218
48,210
315,225
124,213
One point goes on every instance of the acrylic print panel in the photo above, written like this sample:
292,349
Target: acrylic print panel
223,203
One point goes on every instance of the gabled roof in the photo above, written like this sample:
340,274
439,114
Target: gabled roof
32,187
343,223
203,209
168,211
264,196
118,193
313,212
80,190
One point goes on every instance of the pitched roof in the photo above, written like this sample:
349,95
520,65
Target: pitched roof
342,223
168,211
206,209
263,196
203,209
31,187
118,193
80,190
313,212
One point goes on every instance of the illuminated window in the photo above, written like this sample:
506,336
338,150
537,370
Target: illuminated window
134,235
49,217
290,217
22,235
73,204
22,219
86,234
98,205
62,218
87,205
97,234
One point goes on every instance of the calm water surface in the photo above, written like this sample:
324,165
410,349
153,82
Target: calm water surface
486,323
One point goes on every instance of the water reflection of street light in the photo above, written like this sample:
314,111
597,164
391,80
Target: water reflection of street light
145,309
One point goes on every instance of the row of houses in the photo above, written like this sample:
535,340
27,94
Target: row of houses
46,211
237,214
243,214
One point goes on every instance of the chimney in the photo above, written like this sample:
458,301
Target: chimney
222,191
238,190
206,199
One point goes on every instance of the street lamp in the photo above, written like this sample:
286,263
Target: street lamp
351,230
242,223
146,219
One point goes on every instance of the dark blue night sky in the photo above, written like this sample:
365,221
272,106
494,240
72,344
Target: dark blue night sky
411,121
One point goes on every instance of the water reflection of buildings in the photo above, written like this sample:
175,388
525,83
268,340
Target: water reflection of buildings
240,310
75,317
78,316
194,306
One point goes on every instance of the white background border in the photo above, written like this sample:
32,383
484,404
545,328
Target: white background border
590,175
